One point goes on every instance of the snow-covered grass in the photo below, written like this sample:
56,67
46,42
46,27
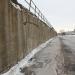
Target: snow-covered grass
15,70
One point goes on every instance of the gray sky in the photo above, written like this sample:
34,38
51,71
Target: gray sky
60,13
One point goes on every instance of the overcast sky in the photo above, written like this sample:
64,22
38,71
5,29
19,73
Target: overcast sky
60,13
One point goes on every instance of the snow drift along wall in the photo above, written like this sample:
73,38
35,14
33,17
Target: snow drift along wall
20,32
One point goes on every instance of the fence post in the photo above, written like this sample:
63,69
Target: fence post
35,9
30,4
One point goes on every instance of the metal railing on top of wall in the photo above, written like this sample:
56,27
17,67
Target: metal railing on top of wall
34,9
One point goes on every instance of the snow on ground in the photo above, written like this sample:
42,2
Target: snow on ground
16,6
25,62
47,59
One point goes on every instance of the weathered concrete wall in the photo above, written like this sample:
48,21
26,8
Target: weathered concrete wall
20,32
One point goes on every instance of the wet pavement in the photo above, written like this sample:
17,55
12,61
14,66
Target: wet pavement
44,62
68,43
57,58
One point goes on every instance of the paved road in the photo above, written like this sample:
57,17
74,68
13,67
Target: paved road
68,43
46,61
57,58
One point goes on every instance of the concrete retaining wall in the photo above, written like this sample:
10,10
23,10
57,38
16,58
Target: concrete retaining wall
20,32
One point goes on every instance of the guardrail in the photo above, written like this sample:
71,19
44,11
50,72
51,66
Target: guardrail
34,9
